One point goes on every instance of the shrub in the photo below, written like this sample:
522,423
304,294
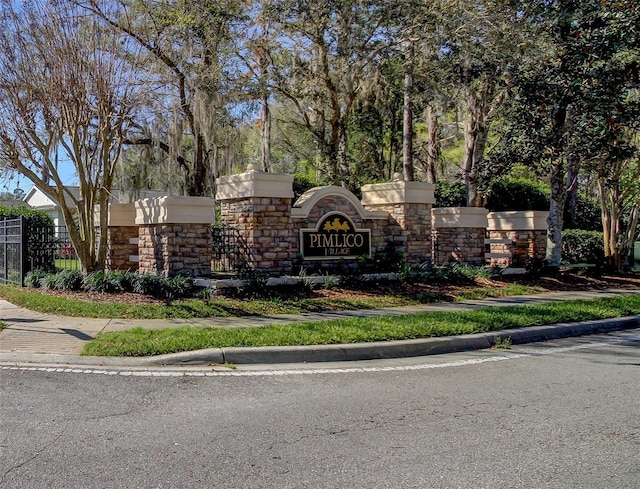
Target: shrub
517,194
149,284
352,275
166,288
63,280
255,283
109,281
580,246
456,273
35,277
451,272
411,273
381,262
302,183
588,216
179,285
450,194
33,217
126,280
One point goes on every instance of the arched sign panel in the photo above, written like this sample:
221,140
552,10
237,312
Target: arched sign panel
335,237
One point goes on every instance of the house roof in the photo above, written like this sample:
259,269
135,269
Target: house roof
11,202
37,199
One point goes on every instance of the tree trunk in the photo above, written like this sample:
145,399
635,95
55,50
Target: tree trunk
572,188
556,209
343,157
407,119
433,144
265,135
197,185
475,141
475,138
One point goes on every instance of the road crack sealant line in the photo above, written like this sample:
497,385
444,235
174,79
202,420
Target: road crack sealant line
525,353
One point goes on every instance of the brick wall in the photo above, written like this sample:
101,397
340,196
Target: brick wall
408,230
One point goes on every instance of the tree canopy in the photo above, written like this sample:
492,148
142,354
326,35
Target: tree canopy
170,95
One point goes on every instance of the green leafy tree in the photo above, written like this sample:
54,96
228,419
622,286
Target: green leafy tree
570,100
321,64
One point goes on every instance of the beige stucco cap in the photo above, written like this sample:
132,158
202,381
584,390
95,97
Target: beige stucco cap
517,220
459,217
398,192
254,183
175,210
122,215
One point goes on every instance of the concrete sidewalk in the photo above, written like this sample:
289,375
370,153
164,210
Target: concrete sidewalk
36,337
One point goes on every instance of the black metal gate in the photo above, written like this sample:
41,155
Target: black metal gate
24,247
13,251
229,251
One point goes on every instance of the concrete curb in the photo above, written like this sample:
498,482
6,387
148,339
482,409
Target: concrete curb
390,349
337,353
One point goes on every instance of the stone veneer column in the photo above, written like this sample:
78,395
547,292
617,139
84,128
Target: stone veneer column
175,235
409,207
524,235
458,233
122,238
258,205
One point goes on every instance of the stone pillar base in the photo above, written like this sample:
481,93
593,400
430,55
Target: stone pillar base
175,235
123,248
458,234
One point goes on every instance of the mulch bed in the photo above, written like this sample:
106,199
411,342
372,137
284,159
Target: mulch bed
422,292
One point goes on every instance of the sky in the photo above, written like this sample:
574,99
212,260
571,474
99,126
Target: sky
10,183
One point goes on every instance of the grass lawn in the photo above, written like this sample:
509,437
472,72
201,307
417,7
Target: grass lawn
67,264
141,342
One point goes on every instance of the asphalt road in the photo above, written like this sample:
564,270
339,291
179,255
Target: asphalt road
563,414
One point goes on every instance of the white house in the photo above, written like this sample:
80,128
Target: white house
37,200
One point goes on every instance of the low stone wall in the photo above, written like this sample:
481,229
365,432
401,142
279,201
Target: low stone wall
175,235
465,245
122,237
516,237
408,205
458,234
523,245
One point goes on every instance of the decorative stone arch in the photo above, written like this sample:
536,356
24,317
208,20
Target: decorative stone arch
308,201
